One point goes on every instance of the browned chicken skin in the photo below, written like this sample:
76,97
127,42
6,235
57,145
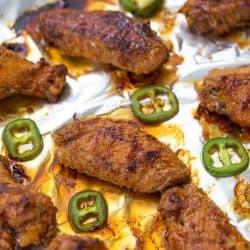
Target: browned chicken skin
5,175
227,92
21,77
68,242
119,152
11,172
106,37
217,17
194,222
28,218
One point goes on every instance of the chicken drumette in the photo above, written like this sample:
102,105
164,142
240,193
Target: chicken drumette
28,218
227,92
21,77
216,17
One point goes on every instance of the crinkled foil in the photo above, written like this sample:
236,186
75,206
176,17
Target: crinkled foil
133,221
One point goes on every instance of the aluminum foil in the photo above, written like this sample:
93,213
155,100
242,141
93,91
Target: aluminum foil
133,220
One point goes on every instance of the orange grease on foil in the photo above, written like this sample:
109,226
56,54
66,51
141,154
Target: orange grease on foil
167,19
75,66
239,37
214,125
167,133
100,4
16,106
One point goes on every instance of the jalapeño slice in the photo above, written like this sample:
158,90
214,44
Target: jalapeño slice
223,146
156,104
142,8
30,134
87,205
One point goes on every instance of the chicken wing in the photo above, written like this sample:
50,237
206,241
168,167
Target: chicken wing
106,37
194,222
68,242
119,152
28,218
227,92
21,77
216,17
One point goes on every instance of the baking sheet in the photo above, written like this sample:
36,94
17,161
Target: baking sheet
132,220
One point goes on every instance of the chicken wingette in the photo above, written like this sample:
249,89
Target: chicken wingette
28,218
194,222
108,37
119,152
68,242
227,92
21,77
216,17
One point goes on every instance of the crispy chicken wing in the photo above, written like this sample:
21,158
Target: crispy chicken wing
106,37
194,222
227,92
216,17
21,77
68,242
121,153
28,218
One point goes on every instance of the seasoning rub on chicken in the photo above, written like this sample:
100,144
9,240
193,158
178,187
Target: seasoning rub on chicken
194,222
119,152
10,172
28,218
21,77
108,37
227,92
68,242
216,17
